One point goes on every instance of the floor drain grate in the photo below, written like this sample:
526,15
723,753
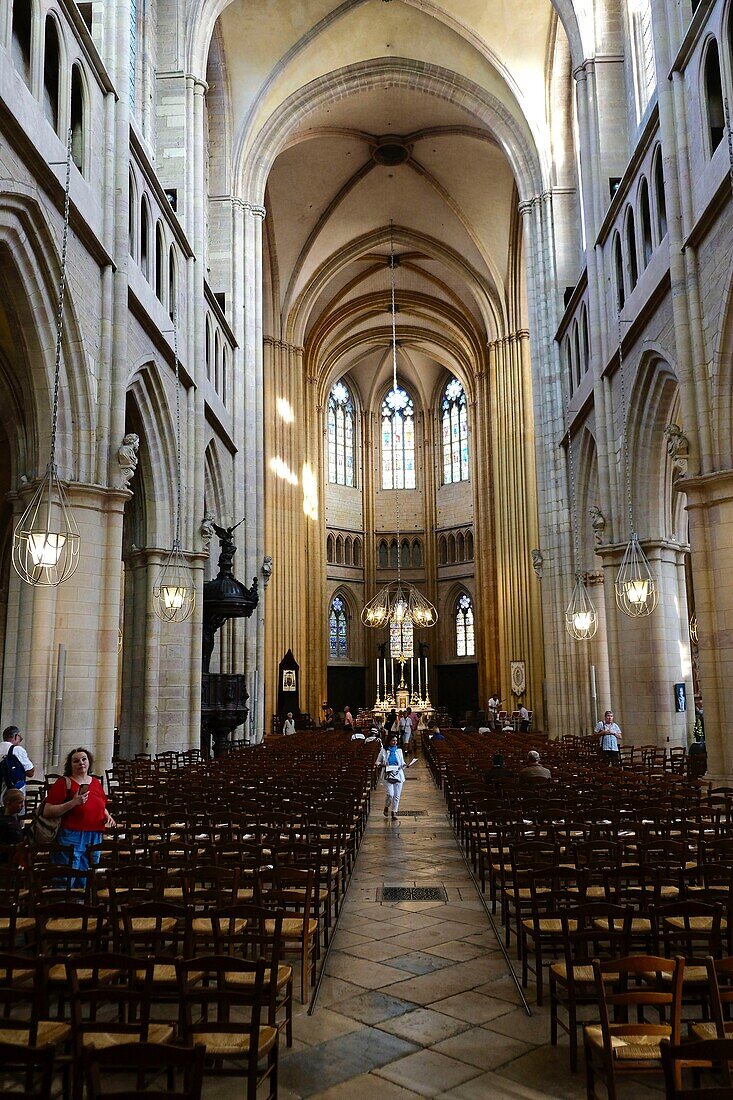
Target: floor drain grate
412,813
413,893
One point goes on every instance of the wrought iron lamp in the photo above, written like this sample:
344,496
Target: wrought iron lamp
174,592
46,539
398,601
581,617
637,591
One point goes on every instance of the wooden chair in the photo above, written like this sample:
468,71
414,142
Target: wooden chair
691,929
292,889
595,930
613,1049
33,1066
109,1012
261,939
152,1058
704,1054
720,986
211,1013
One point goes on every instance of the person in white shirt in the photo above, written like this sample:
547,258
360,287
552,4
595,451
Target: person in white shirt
610,738
394,774
493,708
289,725
523,719
12,739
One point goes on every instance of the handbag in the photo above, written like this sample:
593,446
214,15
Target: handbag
41,832
391,775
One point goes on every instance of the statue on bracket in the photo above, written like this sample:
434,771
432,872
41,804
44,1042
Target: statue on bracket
678,449
597,522
127,460
266,570
538,561
207,530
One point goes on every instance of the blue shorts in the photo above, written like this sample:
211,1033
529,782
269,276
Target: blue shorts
79,840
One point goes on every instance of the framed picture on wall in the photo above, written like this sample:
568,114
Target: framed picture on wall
518,678
289,679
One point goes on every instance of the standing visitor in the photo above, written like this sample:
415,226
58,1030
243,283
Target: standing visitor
348,720
79,798
289,725
394,774
493,708
15,764
523,719
610,736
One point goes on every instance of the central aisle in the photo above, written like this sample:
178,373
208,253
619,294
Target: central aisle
416,999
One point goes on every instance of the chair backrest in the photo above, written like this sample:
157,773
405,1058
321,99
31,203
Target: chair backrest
110,992
34,1067
661,987
711,1054
720,978
153,1058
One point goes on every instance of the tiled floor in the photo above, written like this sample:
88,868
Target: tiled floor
416,999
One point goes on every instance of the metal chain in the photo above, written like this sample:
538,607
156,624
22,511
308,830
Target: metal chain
573,501
62,292
394,375
177,541
625,438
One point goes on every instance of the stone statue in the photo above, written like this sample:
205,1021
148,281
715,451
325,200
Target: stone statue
598,523
538,561
207,529
127,459
678,449
266,570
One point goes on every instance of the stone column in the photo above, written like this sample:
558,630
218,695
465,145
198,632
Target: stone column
710,508
252,443
649,654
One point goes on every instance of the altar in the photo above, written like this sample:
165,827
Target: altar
402,677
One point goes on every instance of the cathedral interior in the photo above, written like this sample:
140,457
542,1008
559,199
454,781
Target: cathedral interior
536,196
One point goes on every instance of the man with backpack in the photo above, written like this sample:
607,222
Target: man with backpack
15,764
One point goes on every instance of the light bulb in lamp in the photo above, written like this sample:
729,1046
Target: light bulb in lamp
172,596
637,591
45,549
582,621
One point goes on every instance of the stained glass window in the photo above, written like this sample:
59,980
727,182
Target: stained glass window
398,441
340,436
455,433
465,646
337,630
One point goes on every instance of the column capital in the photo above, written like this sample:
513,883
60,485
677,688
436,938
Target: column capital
254,209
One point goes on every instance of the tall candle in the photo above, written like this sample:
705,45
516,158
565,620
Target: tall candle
377,677
419,689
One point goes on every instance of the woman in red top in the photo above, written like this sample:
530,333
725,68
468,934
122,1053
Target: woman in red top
79,798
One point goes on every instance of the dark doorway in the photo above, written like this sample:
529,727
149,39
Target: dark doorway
347,685
457,689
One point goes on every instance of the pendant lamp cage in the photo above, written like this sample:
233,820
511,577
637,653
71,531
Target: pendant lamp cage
398,602
581,617
637,591
46,539
174,592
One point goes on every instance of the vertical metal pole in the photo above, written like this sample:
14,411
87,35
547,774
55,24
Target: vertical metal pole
58,710
593,695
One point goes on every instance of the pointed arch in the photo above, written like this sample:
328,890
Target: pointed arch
383,555
713,96
340,426
216,494
463,615
417,554
398,440
660,196
652,399
469,545
52,71
21,38
645,222
358,553
339,620
460,546
330,550
442,550
348,550
158,440
632,262
454,425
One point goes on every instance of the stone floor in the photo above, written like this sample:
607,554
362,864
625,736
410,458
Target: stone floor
416,999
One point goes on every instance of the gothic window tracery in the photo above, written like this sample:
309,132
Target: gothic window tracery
465,644
455,433
398,441
340,436
338,636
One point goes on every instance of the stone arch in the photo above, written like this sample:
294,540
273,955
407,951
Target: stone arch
442,550
358,552
330,549
587,495
343,593
216,495
202,21
722,395
253,165
711,95
29,269
157,461
652,400
383,555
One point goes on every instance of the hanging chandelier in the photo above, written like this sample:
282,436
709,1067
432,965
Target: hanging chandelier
637,591
398,603
46,539
581,617
174,592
